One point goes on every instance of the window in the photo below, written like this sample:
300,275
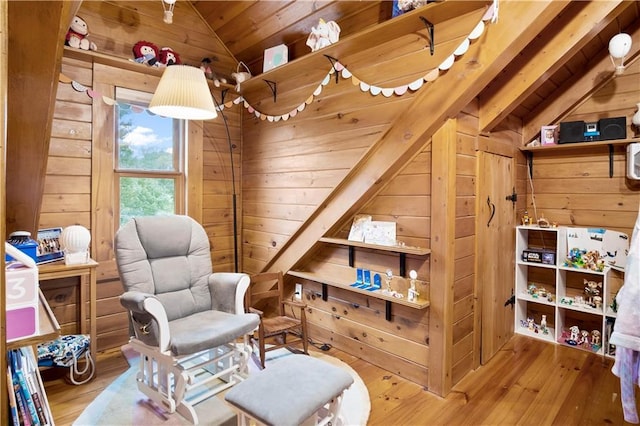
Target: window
149,159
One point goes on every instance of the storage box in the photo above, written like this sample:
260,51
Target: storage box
22,293
545,257
275,56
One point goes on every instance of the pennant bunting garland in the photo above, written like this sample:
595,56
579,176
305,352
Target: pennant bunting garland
336,68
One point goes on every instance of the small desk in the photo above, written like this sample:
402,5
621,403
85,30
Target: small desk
86,271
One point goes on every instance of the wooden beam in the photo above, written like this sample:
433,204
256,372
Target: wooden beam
443,202
577,90
443,98
36,41
549,53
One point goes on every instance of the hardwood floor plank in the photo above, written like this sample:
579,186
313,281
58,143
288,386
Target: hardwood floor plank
528,382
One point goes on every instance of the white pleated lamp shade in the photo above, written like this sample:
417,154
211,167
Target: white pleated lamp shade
183,93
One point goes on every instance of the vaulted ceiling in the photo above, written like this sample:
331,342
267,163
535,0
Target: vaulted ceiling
565,61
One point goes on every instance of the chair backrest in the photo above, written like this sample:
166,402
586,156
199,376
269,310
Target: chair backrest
167,256
266,289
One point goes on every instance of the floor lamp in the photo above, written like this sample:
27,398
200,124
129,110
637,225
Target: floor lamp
183,93
233,185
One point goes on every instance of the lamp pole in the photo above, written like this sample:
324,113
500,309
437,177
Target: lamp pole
233,185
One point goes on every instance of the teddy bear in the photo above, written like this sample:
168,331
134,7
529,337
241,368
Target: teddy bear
146,52
323,35
169,57
77,35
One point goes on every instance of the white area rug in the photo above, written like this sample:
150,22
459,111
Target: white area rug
121,403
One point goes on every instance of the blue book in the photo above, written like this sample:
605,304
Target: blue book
18,369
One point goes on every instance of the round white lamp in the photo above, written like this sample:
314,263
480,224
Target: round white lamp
619,48
74,241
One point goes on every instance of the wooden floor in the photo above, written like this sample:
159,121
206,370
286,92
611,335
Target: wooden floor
527,382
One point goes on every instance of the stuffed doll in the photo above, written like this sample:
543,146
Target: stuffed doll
77,35
146,52
169,57
323,35
205,66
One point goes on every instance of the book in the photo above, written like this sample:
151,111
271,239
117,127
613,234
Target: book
21,403
34,387
19,371
13,404
357,227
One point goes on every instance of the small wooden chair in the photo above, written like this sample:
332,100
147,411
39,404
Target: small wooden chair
265,297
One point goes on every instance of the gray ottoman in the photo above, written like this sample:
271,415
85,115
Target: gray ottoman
295,390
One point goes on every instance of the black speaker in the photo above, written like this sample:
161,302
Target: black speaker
571,131
612,128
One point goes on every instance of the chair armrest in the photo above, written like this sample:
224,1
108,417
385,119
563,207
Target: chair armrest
228,290
294,304
256,311
149,317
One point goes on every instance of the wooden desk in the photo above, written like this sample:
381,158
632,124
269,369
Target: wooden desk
87,271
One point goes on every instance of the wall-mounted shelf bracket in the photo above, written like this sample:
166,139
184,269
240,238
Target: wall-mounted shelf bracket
530,161
325,295
610,160
352,256
431,32
403,264
223,94
387,310
333,64
274,88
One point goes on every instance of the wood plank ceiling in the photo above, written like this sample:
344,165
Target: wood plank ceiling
565,62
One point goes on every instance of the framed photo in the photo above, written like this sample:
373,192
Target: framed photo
548,135
49,249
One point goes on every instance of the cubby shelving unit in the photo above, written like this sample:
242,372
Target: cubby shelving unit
561,284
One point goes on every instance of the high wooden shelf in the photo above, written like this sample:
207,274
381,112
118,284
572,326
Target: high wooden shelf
418,251
575,146
314,66
121,63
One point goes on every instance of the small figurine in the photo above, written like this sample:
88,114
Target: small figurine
584,338
592,289
543,222
543,325
573,336
595,338
388,279
526,220
530,324
412,294
597,302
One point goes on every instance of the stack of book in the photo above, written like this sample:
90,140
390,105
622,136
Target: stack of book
27,399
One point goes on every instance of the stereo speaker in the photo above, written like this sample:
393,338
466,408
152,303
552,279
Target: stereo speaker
571,131
612,128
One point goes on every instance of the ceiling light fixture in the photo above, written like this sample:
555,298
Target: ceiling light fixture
619,48
183,93
167,6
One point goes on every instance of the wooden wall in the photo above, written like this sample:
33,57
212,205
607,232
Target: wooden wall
79,184
573,187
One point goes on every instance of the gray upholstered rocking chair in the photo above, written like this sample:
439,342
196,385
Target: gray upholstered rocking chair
184,317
